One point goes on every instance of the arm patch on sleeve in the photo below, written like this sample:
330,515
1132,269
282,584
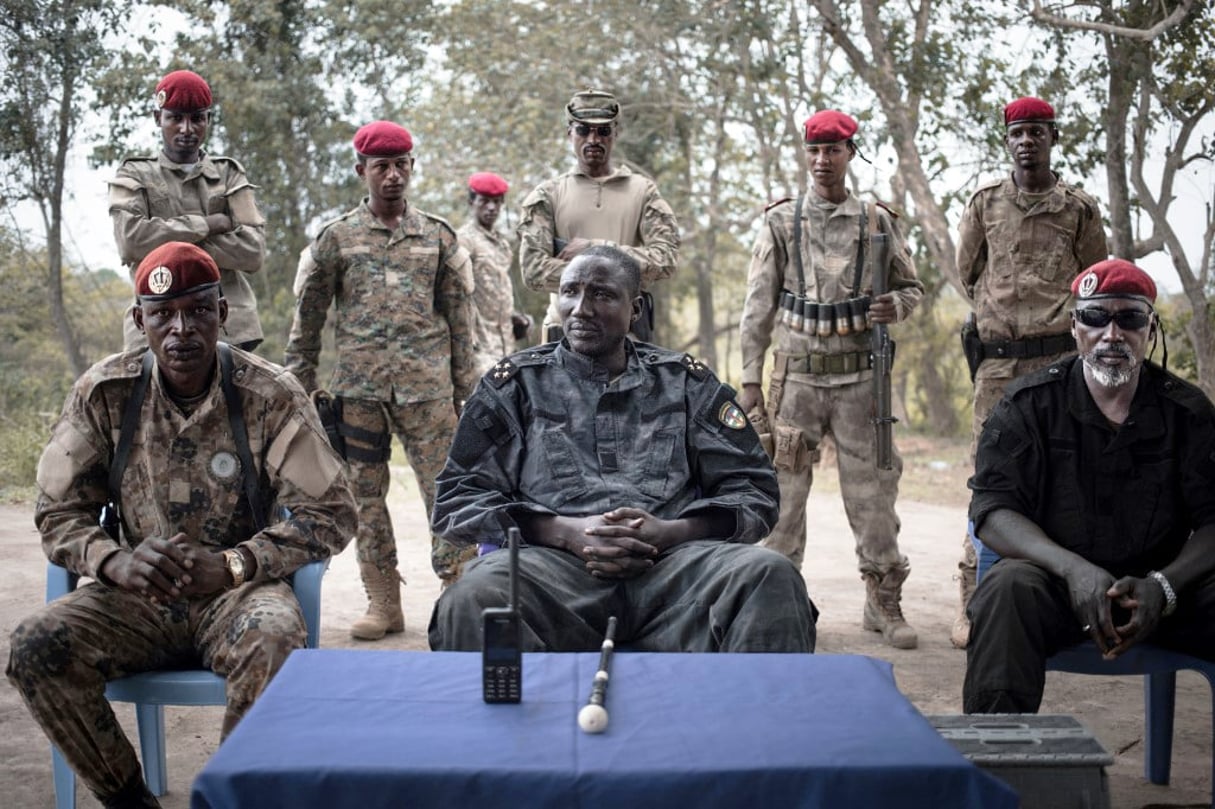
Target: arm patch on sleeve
480,429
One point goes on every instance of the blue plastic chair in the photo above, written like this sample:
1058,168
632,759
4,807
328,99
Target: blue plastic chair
152,690
1159,669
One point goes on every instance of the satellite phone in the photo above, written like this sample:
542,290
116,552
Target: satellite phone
501,652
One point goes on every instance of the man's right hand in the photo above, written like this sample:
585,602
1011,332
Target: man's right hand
157,567
573,248
1088,587
752,394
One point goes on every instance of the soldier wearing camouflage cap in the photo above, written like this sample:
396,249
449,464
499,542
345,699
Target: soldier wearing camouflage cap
191,567
597,202
184,194
1021,241
401,287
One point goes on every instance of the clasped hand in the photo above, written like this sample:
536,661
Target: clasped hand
623,542
168,569
1096,597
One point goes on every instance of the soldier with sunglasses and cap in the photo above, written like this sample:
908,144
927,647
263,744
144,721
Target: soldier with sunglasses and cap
597,202
1095,483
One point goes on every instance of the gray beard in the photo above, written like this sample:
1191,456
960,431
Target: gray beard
1108,377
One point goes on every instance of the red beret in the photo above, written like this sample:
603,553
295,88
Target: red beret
184,91
1114,278
1028,109
487,184
173,269
383,139
829,126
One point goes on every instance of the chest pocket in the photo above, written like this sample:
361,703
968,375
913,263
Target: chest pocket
659,464
1045,248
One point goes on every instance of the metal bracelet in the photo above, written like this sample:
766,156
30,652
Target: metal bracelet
1170,595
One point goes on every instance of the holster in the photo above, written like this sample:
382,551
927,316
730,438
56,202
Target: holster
329,408
790,450
776,387
759,420
972,345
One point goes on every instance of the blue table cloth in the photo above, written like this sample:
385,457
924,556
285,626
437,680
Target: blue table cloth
365,729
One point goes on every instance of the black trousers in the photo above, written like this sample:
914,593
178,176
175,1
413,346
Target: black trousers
1020,615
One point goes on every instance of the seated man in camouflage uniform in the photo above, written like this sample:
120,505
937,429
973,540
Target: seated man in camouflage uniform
637,483
187,578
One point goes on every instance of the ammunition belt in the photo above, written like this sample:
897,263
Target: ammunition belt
1029,347
848,362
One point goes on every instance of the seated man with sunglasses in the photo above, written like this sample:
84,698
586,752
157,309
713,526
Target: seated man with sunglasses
1095,483
596,203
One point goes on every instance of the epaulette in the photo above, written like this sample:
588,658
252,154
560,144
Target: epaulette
1056,372
987,186
772,205
435,218
334,221
505,369
1184,393
218,158
887,208
695,367
139,158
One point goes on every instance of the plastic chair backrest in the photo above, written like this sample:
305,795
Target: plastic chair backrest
152,690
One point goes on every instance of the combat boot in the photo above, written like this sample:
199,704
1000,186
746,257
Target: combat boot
959,635
883,608
384,604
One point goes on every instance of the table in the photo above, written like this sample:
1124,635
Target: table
366,729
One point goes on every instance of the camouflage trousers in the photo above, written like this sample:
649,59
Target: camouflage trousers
425,430
62,655
807,412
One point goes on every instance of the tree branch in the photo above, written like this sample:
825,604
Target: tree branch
1040,14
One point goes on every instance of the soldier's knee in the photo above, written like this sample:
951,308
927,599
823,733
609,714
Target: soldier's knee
38,649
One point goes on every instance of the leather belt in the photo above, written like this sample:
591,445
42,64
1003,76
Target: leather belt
1029,347
847,363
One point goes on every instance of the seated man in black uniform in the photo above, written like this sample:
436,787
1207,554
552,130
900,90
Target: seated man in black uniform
638,485
1095,481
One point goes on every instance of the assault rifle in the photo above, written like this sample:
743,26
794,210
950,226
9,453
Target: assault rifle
882,348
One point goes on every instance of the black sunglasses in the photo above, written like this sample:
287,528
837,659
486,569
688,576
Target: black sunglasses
1127,319
583,130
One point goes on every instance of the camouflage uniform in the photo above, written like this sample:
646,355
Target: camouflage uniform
1017,255
154,200
491,255
183,475
623,209
837,402
547,432
405,353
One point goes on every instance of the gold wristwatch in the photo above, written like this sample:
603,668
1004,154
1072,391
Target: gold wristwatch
235,562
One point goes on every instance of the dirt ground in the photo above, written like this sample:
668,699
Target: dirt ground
933,516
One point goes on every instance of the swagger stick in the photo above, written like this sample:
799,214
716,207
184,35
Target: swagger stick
593,718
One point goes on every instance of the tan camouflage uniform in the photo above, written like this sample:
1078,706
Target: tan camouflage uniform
183,475
1018,253
154,200
623,209
405,353
816,403
494,297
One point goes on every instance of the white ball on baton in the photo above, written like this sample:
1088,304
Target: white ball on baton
593,719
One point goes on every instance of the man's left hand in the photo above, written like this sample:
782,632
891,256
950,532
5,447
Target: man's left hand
1144,600
884,309
208,571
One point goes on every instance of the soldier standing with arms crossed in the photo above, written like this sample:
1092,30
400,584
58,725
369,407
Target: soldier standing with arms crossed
498,325
596,204
402,289
814,251
185,195
1022,240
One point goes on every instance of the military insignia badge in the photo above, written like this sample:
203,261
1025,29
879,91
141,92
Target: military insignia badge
732,416
224,465
160,99
1088,285
160,280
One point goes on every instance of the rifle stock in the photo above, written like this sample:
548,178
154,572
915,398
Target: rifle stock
883,359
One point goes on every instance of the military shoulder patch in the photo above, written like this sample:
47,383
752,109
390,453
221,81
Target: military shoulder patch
774,203
501,372
732,416
887,208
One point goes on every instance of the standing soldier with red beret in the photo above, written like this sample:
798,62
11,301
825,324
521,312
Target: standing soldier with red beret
1022,240
402,288
812,257
596,203
498,324
183,194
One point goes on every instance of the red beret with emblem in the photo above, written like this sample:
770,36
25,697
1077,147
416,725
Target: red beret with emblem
184,91
1114,278
829,126
1028,108
383,139
487,184
173,269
